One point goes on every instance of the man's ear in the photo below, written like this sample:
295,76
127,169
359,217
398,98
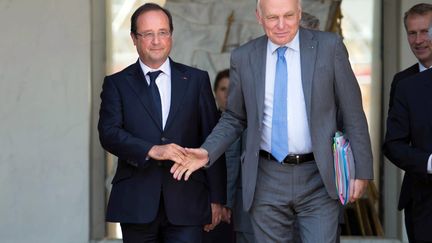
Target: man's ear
258,16
133,37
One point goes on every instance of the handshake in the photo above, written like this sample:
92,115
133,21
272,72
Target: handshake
186,160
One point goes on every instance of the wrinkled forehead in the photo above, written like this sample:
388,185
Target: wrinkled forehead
419,21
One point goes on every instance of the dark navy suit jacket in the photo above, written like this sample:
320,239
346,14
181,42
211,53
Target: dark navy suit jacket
399,76
128,128
406,73
408,144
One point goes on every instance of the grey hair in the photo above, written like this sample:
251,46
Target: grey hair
259,9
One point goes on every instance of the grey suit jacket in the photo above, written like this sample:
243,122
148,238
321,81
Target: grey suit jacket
329,87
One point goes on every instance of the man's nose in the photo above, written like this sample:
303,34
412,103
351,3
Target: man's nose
420,37
156,39
281,23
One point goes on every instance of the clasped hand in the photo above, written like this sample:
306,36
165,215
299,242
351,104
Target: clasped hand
186,160
193,160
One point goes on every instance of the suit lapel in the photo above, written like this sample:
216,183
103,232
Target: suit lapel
179,85
137,81
308,49
257,60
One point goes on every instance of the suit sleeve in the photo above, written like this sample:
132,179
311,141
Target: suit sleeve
233,171
113,137
216,174
350,107
392,91
397,144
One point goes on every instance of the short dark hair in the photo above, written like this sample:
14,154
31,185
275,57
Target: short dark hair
309,21
222,74
418,9
146,8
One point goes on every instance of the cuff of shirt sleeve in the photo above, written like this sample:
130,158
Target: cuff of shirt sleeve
207,165
429,168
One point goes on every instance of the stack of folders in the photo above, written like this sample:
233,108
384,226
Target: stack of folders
343,166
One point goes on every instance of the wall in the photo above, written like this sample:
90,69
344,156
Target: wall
44,117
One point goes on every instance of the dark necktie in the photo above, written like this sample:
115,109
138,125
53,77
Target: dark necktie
155,93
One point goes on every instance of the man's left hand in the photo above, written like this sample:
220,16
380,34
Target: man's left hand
357,189
216,216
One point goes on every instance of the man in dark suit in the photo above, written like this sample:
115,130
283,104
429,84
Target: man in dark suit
402,130
146,110
223,232
416,20
287,88
408,144
234,218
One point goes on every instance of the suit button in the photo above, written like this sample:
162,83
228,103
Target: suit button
164,139
159,163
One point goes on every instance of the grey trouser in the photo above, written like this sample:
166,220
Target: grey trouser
288,192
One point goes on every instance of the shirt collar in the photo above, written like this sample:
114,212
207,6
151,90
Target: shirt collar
293,45
422,68
165,67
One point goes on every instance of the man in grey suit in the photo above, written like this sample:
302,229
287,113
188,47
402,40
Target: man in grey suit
287,88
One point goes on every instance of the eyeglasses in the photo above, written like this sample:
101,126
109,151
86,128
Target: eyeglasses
163,34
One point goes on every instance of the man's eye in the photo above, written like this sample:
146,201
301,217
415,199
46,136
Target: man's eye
148,35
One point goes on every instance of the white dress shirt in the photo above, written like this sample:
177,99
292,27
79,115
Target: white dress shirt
422,68
429,169
163,82
299,139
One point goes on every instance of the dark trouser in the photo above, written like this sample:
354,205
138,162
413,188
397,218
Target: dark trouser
222,233
409,225
245,237
161,230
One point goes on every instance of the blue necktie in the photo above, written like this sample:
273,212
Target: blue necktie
155,93
279,136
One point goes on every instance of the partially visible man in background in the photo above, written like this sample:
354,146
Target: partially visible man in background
223,232
408,145
309,21
408,140
233,212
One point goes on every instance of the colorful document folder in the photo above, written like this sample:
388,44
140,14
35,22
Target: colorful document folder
343,166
